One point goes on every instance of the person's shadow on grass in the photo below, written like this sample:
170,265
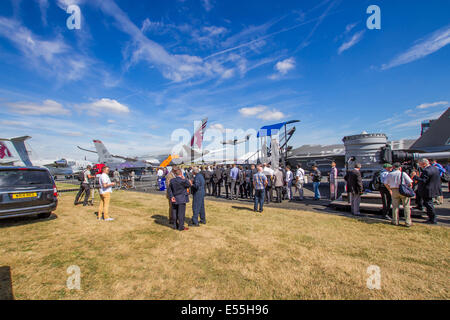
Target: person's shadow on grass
162,220
242,208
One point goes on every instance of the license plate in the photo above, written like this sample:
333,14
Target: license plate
24,195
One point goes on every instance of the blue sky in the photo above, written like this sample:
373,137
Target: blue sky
137,70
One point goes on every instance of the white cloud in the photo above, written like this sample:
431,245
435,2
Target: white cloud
217,126
105,104
433,104
49,107
207,5
43,6
47,55
349,27
282,68
227,73
350,43
262,112
175,67
424,47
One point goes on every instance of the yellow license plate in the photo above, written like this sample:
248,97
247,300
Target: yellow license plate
24,195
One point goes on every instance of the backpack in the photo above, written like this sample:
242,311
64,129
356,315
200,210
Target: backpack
445,177
375,184
80,176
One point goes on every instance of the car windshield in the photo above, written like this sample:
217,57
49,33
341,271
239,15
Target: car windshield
13,178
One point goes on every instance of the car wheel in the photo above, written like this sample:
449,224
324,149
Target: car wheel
44,215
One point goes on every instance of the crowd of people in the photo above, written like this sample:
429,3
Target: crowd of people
397,184
236,181
263,184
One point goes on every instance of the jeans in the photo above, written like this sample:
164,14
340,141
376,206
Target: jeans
259,199
316,190
289,190
87,192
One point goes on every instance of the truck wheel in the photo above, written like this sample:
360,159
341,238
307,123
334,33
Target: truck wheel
44,215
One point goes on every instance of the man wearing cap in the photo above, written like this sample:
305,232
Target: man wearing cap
84,186
386,198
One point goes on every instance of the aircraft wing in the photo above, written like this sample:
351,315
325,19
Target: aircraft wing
86,149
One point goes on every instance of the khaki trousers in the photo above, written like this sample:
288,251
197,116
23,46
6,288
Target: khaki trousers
104,205
397,198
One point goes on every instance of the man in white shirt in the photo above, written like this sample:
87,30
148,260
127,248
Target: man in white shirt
299,180
289,179
392,182
105,194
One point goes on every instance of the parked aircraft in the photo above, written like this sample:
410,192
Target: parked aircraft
186,154
66,167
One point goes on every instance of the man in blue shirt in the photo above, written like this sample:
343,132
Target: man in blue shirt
259,184
234,174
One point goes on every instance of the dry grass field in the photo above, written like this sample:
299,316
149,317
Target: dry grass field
280,254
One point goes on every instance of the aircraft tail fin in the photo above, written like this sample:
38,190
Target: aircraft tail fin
103,153
4,151
197,137
19,145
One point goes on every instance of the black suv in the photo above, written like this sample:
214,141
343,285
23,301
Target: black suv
27,191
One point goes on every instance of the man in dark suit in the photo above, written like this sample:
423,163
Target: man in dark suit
179,197
428,187
227,180
198,193
207,175
217,178
355,188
